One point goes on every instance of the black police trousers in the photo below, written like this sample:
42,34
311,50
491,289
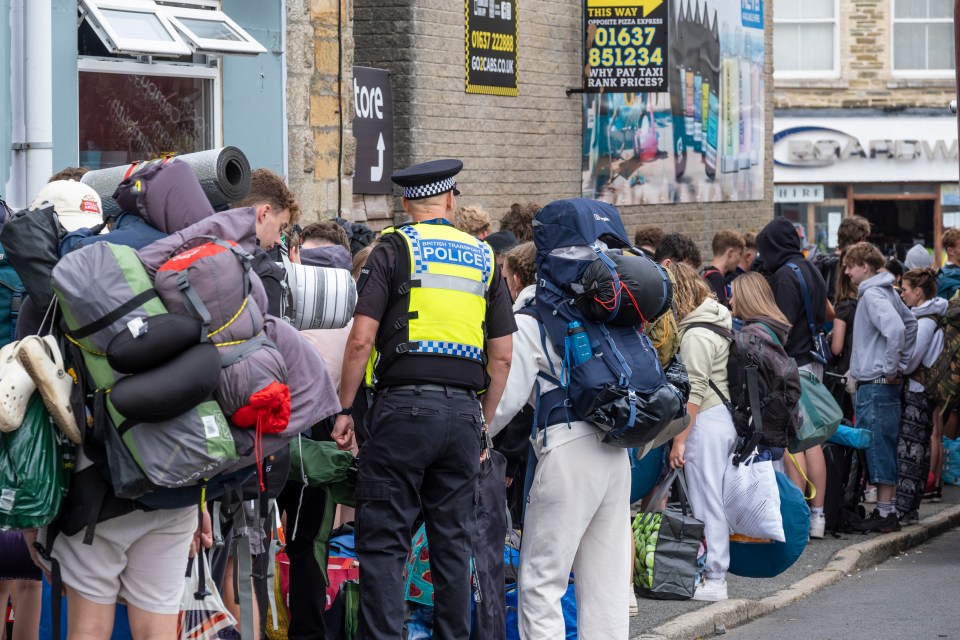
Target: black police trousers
422,451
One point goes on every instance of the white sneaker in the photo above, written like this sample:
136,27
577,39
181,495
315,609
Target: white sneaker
817,525
711,591
870,495
634,607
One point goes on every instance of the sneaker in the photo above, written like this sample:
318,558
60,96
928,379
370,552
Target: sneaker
634,608
870,495
711,591
817,525
875,523
935,495
42,359
911,517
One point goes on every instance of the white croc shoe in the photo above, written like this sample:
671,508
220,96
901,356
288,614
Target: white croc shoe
42,359
16,388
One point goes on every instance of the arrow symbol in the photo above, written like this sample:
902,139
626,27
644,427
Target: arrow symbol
376,173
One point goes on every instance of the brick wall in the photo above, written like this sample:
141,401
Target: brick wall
866,69
519,149
321,149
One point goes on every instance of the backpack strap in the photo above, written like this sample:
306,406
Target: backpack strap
720,331
805,293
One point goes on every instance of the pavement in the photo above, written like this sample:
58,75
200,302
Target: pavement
823,563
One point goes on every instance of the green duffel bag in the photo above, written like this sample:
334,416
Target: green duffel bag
820,414
35,466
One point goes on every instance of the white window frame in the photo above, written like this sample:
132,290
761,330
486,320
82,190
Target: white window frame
120,44
831,74
913,73
246,45
132,67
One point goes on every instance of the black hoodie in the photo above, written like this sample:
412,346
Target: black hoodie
779,244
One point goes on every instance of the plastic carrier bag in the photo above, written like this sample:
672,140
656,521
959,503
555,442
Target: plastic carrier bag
751,499
203,616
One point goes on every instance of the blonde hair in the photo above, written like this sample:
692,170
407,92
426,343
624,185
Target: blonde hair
472,219
689,289
754,298
360,259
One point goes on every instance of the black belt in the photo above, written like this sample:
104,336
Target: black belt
880,380
441,388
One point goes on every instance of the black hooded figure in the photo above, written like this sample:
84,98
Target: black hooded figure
779,244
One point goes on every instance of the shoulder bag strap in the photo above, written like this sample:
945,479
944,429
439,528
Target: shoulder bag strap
805,293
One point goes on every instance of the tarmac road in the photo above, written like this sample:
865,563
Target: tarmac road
911,595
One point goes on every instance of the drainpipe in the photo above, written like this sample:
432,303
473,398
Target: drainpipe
32,96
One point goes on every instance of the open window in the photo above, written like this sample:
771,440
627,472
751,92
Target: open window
145,27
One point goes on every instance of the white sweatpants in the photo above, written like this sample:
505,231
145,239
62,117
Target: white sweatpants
707,454
577,516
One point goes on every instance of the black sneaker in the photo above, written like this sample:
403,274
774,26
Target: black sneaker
875,523
934,496
911,517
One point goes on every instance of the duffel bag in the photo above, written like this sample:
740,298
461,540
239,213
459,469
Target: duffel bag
820,415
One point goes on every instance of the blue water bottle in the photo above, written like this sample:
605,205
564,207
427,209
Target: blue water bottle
578,343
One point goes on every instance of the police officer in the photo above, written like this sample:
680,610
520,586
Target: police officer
435,308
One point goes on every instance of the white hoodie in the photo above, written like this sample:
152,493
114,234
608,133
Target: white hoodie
929,338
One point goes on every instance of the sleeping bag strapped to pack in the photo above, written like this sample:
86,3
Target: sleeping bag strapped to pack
635,292
610,375
318,297
103,290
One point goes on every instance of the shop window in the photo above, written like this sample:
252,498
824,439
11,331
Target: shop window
132,116
805,38
923,41
145,27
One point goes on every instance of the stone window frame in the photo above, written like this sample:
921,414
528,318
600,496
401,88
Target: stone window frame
831,74
914,73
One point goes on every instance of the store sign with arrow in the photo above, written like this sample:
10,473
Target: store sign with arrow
373,129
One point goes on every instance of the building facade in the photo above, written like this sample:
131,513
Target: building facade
862,124
101,83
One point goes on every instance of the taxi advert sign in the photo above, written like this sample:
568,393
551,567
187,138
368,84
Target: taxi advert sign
625,46
491,47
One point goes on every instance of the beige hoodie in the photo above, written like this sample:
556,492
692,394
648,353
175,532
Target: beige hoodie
705,352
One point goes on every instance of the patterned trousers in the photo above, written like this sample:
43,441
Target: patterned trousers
913,451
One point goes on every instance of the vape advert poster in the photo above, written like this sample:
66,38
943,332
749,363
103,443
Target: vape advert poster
700,140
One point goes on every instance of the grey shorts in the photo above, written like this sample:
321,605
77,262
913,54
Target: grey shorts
140,557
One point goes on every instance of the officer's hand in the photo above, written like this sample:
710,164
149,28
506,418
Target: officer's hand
342,432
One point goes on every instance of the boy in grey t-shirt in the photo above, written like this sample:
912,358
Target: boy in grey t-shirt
884,335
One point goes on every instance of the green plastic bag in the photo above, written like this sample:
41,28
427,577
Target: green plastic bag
35,467
821,414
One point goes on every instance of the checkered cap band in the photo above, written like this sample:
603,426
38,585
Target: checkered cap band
428,190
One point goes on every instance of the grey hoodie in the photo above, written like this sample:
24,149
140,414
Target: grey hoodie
929,337
884,331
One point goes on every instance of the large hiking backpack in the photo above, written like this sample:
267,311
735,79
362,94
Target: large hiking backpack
941,381
764,386
103,289
12,293
621,387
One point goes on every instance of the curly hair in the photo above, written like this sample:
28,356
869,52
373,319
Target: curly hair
519,220
648,237
727,239
472,219
266,187
522,261
689,289
851,231
678,248
924,279
951,237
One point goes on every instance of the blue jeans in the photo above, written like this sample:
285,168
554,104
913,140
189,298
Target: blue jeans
878,409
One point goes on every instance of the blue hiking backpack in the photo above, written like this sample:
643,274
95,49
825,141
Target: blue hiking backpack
617,383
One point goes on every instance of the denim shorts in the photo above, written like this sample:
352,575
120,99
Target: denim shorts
878,409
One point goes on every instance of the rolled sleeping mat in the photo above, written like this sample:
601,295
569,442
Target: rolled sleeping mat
223,173
187,380
319,297
646,291
153,342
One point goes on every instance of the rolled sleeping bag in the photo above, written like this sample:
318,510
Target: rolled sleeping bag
645,294
224,174
151,342
187,380
319,297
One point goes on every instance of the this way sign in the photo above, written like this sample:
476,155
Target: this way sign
373,129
